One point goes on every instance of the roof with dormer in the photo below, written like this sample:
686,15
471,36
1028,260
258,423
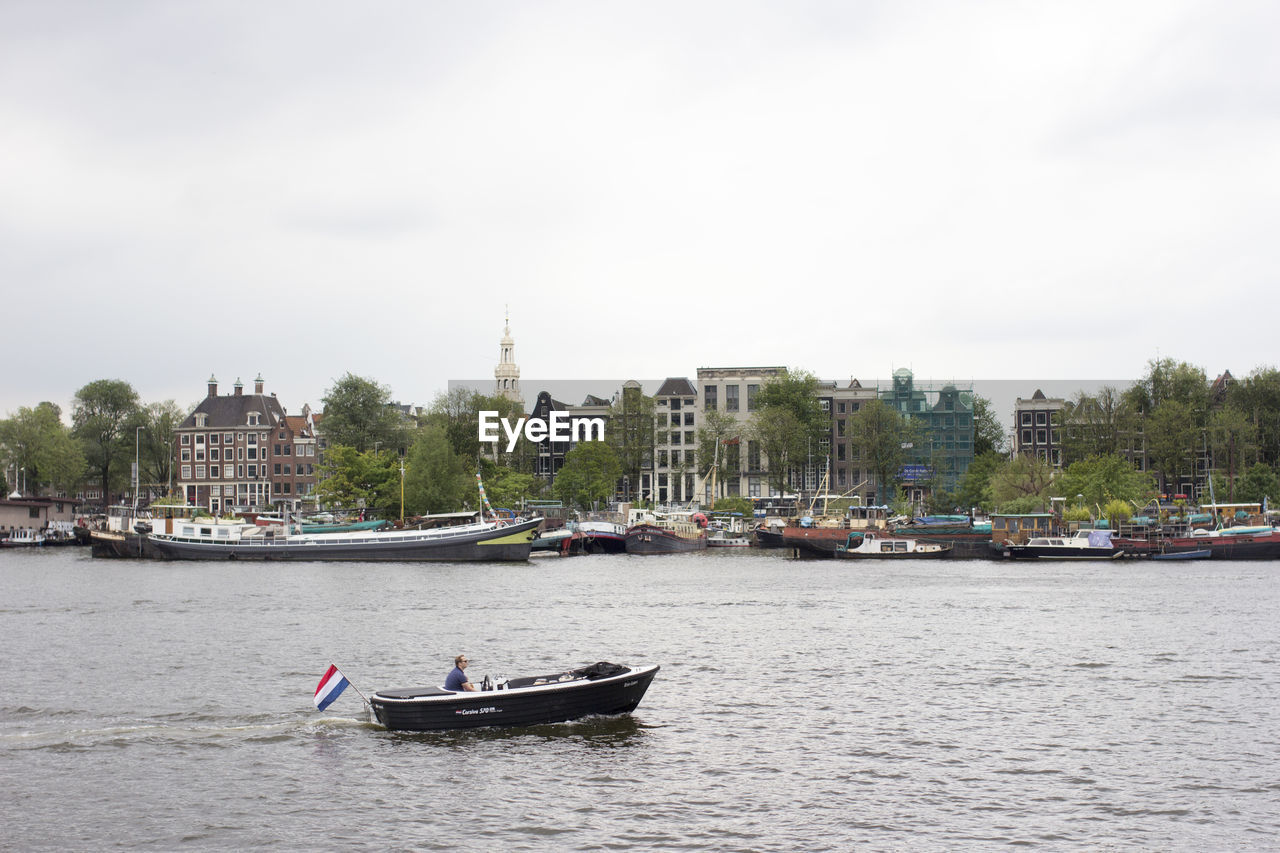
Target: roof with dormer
227,411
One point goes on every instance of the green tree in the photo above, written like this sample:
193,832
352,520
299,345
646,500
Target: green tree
1022,478
350,478
988,431
37,440
789,423
507,487
776,430
1257,483
100,415
1172,431
590,473
975,486
437,479
1104,478
1168,380
717,428
880,434
358,413
1091,424
1233,439
631,435
1258,396
155,442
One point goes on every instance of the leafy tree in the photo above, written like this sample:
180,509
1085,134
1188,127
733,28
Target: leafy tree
878,432
1170,381
1233,439
590,473
1172,433
717,428
1258,396
631,435
1104,478
735,504
1257,483
1091,424
988,431
100,415
38,440
1117,511
459,412
155,441
789,423
351,478
508,487
1025,476
776,430
975,486
358,413
437,479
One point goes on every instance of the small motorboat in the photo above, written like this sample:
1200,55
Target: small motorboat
1194,554
601,688
872,546
1085,545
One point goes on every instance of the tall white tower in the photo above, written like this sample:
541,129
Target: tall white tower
507,375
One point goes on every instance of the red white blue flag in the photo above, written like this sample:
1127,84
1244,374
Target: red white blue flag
330,687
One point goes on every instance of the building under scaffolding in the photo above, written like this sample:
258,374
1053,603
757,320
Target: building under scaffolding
943,418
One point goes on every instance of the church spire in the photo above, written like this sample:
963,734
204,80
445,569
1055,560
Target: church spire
507,375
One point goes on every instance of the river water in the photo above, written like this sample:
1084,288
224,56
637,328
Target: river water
802,705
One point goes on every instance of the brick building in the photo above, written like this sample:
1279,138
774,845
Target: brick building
242,452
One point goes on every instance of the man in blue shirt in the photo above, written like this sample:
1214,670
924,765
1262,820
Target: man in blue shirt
457,679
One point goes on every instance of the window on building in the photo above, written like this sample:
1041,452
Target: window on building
825,404
200,439
689,438
840,451
186,438
199,454
1026,419
186,455
675,459
1026,438
228,437
214,470
709,394
1042,418
731,398
199,472
840,408
675,438
186,472
753,455
1042,437
253,471
675,405
840,425
213,439
288,450
688,418
276,470
253,453
213,454
752,390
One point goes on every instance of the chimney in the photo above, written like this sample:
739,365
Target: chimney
239,388
213,385
257,384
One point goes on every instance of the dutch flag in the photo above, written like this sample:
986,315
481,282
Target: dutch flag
330,687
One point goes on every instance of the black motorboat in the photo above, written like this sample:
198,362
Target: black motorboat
601,688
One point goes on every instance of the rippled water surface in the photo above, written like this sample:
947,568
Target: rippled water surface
802,705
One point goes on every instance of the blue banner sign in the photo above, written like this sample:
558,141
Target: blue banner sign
914,473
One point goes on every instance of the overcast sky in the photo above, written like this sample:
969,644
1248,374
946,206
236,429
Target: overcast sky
984,190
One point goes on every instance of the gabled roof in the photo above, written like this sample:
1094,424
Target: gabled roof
593,400
676,386
232,410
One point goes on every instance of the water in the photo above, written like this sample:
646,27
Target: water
802,705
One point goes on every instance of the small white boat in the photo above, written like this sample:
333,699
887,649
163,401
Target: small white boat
872,546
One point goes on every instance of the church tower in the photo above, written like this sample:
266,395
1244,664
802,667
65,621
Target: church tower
507,374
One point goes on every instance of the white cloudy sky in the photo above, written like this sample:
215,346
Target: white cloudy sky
301,189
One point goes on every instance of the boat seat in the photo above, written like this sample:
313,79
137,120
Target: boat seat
415,692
